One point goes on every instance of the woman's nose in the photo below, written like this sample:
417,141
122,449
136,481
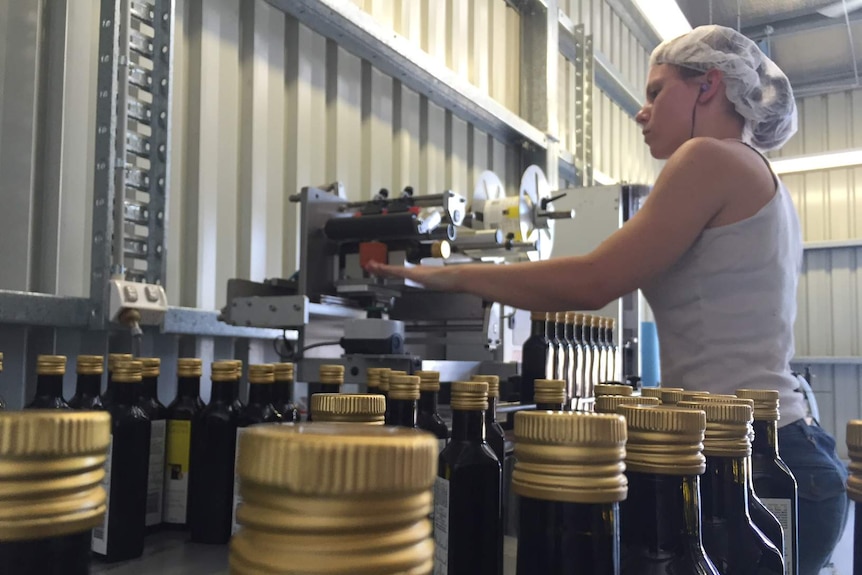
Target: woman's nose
642,115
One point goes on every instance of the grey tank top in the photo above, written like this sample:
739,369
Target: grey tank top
725,310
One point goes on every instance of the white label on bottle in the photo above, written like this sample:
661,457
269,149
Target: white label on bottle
236,497
441,526
156,477
177,454
782,510
99,541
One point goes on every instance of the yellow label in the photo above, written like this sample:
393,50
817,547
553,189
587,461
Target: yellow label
178,445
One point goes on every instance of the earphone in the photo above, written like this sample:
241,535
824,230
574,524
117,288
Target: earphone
704,87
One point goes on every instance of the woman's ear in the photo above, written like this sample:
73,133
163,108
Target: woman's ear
710,85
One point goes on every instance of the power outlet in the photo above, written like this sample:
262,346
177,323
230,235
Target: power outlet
150,300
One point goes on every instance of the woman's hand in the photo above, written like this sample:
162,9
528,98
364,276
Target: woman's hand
430,277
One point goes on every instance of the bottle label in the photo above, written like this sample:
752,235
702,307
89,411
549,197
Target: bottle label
179,435
236,497
441,526
782,510
156,478
99,541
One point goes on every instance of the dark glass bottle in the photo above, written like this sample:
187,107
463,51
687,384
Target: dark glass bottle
595,350
259,409
602,343
563,360
213,457
283,393
158,414
121,537
329,380
558,364
494,433
467,507
660,529
113,358
613,353
564,528
773,481
427,417
537,358
88,388
42,537
181,414
50,370
550,395
572,349
582,335
854,486
403,400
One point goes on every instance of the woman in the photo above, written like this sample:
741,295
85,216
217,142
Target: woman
716,250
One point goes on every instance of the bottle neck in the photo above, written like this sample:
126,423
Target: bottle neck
537,328
468,425
224,391
550,332
603,336
561,331
260,393
765,438
428,401
402,412
570,332
579,333
188,387
594,335
88,385
610,336
49,385
125,392
150,388
491,412
661,512
723,490
283,389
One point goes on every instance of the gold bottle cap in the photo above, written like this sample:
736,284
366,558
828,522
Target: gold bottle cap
493,382
90,364
441,249
612,389
127,371
651,392
854,448
765,403
113,358
728,427
612,323
664,440
338,496
538,316
189,367
550,317
261,373
560,317
385,374
720,398
610,403
429,380
224,370
570,457
570,317
284,371
331,374
51,469
579,318
692,395
595,321
51,364
469,396
373,376
551,391
152,366
404,387
671,396
348,408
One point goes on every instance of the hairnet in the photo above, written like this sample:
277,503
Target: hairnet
756,87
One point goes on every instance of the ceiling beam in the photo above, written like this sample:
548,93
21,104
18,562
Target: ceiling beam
796,25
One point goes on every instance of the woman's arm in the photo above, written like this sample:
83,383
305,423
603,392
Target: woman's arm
690,191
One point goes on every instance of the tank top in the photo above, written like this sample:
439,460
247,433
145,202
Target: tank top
725,310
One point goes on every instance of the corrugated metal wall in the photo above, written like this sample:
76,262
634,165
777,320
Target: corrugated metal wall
829,322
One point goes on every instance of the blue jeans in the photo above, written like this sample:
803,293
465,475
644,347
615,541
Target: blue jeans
821,477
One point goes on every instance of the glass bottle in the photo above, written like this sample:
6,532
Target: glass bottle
38,534
467,505
403,400
773,481
574,359
182,412
329,380
582,335
854,486
121,536
158,414
283,392
558,365
428,417
569,507
259,409
213,455
362,499
113,358
660,529
614,373
50,370
537,357
362,408
595,348
602,343
88,387
565,365
610,403
730,538
494,433
550,394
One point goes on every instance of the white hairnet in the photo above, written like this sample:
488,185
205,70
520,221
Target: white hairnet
758,89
